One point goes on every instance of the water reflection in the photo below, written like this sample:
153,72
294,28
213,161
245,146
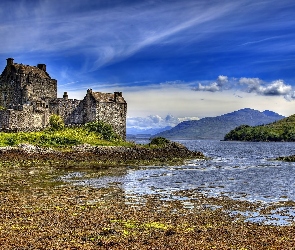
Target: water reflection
239,170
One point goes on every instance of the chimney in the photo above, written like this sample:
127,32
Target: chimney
42,66
9,61
65,96
116,95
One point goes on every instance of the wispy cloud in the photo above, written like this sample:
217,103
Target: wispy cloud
260,41
105,33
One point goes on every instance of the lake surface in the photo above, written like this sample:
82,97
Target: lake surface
243,171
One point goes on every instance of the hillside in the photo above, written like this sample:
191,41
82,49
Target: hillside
283,130
217,127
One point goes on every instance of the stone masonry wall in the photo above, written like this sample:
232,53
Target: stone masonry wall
4,119
68,109
24,119
114,114
20,84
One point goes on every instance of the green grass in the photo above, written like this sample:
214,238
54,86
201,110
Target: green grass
65,137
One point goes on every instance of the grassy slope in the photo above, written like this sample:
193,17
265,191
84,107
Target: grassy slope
282,130
62,138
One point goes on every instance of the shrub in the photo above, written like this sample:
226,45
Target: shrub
104,129
159,141
12,141
56,122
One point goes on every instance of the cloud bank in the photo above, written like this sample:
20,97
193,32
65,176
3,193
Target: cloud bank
156,121
250,85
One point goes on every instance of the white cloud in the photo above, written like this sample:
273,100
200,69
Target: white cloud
221,80
275,88
213,87
250,85
156,121
218,85
253,84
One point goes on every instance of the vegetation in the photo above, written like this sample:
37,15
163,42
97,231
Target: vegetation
159,141
56,122
104,129
94,133
283,130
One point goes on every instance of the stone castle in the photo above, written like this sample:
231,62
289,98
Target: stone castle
28,97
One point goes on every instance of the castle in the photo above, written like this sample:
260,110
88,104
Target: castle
28,97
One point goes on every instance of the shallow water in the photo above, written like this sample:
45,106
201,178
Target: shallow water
243,171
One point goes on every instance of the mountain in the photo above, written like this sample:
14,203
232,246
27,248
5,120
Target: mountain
217,127
148,131
282,130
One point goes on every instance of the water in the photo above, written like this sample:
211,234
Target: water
242,171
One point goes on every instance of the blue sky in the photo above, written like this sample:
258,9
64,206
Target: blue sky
173,60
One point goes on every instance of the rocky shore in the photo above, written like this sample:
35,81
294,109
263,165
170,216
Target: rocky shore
290,158
102,154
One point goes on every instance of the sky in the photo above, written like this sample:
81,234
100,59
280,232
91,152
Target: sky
173,60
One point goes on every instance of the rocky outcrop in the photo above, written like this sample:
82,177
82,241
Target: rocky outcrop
102,154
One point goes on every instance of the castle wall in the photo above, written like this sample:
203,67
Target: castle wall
114,114
20,84
24,119
90,110
69,109
4,119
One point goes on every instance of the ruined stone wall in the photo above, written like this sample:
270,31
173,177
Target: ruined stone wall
10,88
4,119
78,115
114,114
89,106
25,119
68,109
20,84
38,88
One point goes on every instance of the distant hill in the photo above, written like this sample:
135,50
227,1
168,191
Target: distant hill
217,127
282,130
133,131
